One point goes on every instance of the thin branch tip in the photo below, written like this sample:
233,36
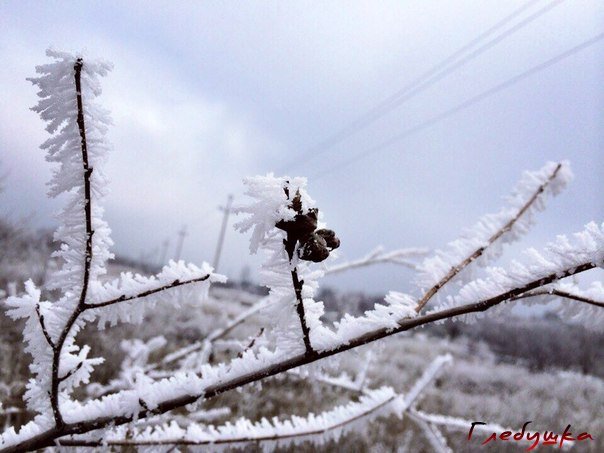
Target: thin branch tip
455,270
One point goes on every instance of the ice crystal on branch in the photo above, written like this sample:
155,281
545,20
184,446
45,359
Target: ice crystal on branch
483,242
577,305
67,89
132,295
272,206
59,107
271,434
79,148
279,202
591,312
559,258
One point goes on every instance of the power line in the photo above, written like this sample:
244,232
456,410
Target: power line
464,105
429,78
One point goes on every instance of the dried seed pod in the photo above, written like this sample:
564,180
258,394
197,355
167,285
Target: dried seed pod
314,249
301,226
330,238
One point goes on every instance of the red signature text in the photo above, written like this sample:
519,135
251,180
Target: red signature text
534,438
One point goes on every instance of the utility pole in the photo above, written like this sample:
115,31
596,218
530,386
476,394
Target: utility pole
181,237
225,219
164,252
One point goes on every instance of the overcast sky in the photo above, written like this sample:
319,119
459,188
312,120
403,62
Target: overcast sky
205,93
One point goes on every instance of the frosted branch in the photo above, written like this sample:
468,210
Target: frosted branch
361,377
402,257
429,374
374,257
125,298
437,271
575,304
218,333
559,259
68,87
277,433
432,434
563,294
87,172
372,403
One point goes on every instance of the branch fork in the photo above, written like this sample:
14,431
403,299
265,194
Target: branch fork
311,245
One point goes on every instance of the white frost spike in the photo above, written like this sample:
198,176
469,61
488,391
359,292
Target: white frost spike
398,306
553,180
404,301
271,205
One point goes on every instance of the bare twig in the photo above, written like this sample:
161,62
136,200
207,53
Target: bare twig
290,243
479,251
563,294
70,373
379,256
251,343
44,331
300,310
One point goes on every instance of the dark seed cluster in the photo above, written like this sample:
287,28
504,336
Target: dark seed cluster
315,245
